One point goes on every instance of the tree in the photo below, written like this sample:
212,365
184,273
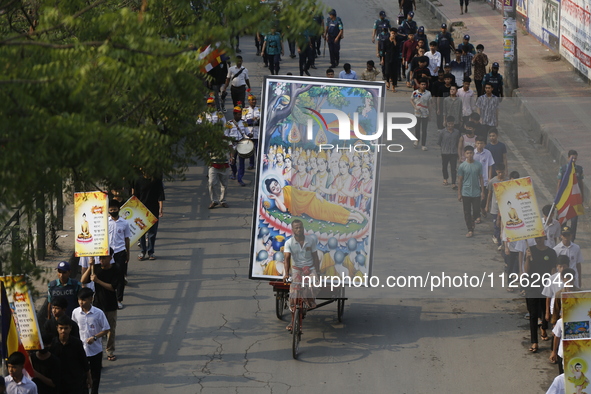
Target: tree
91,91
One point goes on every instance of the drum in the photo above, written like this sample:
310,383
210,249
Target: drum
245,148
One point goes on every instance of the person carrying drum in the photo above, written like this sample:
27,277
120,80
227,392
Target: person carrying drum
251,115
235,129
301,260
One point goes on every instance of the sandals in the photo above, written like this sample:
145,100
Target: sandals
289,327
454,186
544,337
469,234
112,358
534,348
445,183
478,221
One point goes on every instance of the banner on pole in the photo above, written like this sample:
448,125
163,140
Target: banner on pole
518,207
139,217
21,304
91,213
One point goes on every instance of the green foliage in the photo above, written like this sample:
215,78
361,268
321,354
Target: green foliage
90,92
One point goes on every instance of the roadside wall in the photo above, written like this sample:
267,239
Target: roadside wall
563,26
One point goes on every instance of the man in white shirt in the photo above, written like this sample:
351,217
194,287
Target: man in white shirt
555,284
236,130
573,251
93,326
468,100
251,115
17,382
119,235
211,115
434,59
301,260
557,386
238,79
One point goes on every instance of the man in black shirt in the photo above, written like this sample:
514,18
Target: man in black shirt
106,278
58,309
539,261
76,377
47,369
150,191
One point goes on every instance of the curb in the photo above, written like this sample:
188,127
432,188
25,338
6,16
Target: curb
442,18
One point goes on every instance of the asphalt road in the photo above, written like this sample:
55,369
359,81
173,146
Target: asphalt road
194,322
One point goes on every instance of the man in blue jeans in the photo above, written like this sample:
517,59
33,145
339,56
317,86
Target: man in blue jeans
471,188
150,191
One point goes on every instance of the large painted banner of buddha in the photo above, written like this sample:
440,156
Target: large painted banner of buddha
315,167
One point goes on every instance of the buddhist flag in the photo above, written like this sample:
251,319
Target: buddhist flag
568,201
212,57
10,339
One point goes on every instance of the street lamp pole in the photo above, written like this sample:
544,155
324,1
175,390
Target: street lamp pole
510,46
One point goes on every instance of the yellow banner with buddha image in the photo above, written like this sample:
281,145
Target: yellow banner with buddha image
23,311
576,316
518,207
139,217
91,214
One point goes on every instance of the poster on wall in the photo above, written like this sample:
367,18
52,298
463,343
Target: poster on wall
508,48
314,167
543,22
91,224
575,30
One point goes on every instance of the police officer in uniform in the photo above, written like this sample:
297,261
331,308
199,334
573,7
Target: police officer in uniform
422,36
379,25
333,36
495,79
408,24
317,38
446,44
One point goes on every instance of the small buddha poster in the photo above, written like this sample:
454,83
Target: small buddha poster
139,217
576,316
576,313
518,206
91,226
317,164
